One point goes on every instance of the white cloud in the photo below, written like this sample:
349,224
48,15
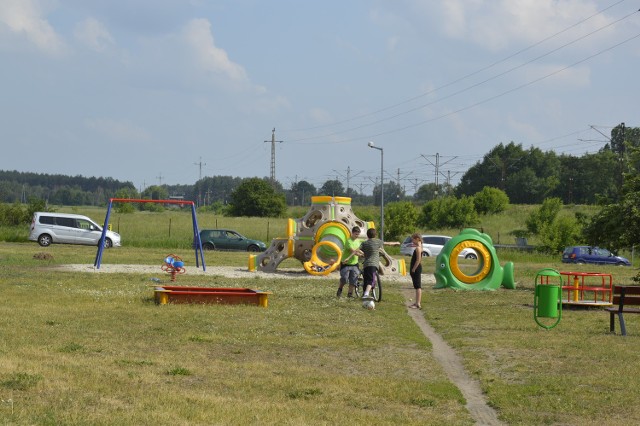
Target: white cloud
211,58
92,33
118,131
320,115
454,21
24,18
499,24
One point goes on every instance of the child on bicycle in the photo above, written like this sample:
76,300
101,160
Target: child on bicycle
371,250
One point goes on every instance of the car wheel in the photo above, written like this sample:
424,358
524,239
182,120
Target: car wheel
208,246
425,254
253,247
471,256
621,264
581,262
108,243
45,240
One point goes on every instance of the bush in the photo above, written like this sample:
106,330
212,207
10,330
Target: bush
13,214
399,218
562,232
449,212
490,200
543,216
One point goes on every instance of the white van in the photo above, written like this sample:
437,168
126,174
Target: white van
48,228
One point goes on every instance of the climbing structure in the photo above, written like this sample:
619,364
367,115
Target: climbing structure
318,239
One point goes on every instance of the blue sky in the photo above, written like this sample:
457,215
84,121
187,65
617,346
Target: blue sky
164,91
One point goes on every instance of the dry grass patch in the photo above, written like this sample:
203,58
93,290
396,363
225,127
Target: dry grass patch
91,348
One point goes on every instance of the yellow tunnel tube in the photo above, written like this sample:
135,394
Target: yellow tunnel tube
317,266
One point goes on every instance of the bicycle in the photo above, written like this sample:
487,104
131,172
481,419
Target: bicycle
376,287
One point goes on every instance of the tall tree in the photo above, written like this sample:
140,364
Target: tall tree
393,192
426,192
302,191
332,187
257,197
617,225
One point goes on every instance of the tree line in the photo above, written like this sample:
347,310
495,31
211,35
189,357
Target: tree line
527,176
609,178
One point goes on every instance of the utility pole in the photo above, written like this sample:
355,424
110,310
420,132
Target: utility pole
448,176
348,177
200,164
273,155
415,183
437,166
160,180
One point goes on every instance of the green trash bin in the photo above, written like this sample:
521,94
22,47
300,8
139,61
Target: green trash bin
547,301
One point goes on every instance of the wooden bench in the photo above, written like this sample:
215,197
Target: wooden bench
623,296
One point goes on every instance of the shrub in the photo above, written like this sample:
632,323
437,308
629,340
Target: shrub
490,200
449,212
13,214
544,215
562,232
399,218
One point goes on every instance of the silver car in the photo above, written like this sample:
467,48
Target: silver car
66,228
432,246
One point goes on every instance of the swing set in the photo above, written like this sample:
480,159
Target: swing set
196,232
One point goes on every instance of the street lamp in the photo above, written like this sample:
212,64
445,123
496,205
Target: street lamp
371,145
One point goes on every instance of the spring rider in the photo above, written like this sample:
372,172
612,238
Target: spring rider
173,265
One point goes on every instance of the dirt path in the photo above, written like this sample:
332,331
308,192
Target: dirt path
452,365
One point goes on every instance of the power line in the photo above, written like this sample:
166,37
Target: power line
491,98
492,65
471,86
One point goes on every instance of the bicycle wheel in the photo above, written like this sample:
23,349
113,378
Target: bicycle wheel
360,285
376,288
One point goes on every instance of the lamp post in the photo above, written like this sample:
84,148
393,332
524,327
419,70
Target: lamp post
371,145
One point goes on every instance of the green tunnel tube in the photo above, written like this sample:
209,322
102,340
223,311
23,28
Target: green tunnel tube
327,251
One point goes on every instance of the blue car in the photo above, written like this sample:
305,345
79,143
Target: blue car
593,255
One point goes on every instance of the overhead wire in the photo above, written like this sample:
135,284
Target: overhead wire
486,100
302,140
464,77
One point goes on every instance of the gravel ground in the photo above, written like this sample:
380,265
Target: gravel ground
225,271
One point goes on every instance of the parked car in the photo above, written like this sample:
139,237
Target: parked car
590,254
432,246
65,228
226,239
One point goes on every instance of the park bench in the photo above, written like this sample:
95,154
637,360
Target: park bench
623,296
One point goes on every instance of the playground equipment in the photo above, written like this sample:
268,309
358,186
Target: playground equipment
547,299
588,289
489,275
173,265
318,239
196,232
217,295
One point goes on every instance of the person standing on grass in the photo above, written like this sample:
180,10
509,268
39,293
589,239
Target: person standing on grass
349,270
371,251
416,270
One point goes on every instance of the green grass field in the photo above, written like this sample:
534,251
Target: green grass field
93,348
